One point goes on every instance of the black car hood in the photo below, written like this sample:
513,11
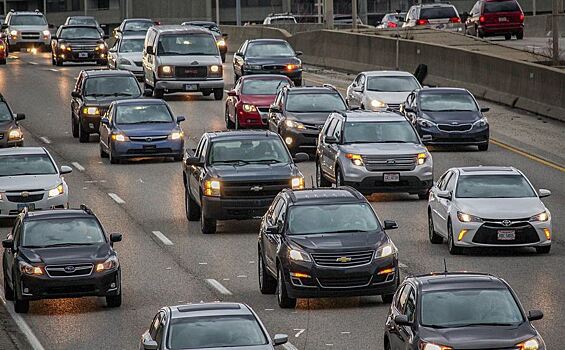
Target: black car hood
264,172
67,255
461,117
104,101
81,41
478,337
6,125
339,241
272,60
318,118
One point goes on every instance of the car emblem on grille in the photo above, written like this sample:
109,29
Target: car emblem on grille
69,269
506,222
454,123
148,139
194,63
256,188
391,161
343,259
25,194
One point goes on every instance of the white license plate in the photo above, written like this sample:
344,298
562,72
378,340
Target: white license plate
506,235
394,177
83,54
502,19
190,87
29,206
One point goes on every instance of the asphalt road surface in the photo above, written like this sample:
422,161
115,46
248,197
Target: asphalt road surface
157,274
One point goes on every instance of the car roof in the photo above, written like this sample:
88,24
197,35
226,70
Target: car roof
89,17
240,134
137,20
311,89
107,72
22,151
373,116
27,13
443,90
56,214
457,280
201,22
140,101
435,5
267,41
488,170
169,29
321,196
78,26
387,73
209,309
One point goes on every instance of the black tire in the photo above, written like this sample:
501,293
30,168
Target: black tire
21,306
507,36
207,225
520,36
236,125
114,300
453,249
113,158
58,62
158,93
218,94
3,61
297,82
432,234
178,158
267,284
229,123
206,92
83,137
8,291
424,195
53,59
387,298
540,250
191,208
74,126
321,180
282,296
223,55
480,34
103,153
483,147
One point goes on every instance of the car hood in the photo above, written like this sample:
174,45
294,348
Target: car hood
30,28
190,60
258,100
452,117
148,129
29,182
6,125
387,97
81,41
501,208
383,148
67,255
132,56
478,337
337,242
272,60
251,172
104,101
318,118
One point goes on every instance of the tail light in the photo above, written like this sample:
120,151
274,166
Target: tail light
422,22
521,17
391,25
482,19
455,20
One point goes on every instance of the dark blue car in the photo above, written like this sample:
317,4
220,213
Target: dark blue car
140,128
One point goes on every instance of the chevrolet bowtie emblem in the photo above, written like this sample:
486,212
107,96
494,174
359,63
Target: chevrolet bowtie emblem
25,194
343,259
256,188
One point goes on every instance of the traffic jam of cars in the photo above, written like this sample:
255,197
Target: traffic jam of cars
317,237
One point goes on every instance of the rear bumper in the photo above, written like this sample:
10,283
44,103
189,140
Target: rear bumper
498,29
235,209
179,85
294,75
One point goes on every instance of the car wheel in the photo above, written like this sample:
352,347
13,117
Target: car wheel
223,57
543,250
507,36
113,158
236,123
267,284
434,237
58,62
297,82
74,126
520,36
424,195
53,60
178,158
282,297
207,225
483,147
158,93
8,291
206,92
20,306
338,178
453,249
387,298
103,153
229,123
191,208
114,300
83,136
321,180
218,94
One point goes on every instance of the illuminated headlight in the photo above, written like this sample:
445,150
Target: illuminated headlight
54,192
378,104
221,43
356,159
297,183
215,70
46,33
292,124
424,123
177,135
467,217
386,250
14,33
481,122
298,255
15,134
91,110
111,263
422,158
119,137
166,71
30,270
431,346
212,188
543,216
64,47
291,67
530,344
124,62
249,108
101,47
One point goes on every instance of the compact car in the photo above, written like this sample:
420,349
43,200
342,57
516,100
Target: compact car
127,54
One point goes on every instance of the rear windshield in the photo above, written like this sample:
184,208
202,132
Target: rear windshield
438,12
28,20
501,6
5,114
187,44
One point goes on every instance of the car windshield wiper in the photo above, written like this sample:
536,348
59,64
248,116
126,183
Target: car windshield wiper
266,161
346,231
148,122
56,245
24,174
392,141
112,94
231,161
482,324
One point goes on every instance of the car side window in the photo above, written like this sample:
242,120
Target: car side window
277,211
410,307
404,297
16,233
272,211
337,130
398,294
154,325
281,214
331,127
204,150
159,335
444,181
361,80
441,181
78,84
450,185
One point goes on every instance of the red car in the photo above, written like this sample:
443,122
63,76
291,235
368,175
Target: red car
496,18
248,103
3,51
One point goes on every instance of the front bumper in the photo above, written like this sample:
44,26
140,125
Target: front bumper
475,136
252,119
235,209
11,208
180,85
165,148
5,142
90,123
82,56
18,41
300,139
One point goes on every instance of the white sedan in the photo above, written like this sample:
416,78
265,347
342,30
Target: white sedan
488,207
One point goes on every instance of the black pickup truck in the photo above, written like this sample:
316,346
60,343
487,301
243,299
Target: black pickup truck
236,175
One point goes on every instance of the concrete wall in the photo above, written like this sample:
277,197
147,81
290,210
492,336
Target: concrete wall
237,35
540,26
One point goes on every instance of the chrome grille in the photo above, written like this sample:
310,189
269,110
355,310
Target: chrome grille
346,259
395,106
83,47
24,199
455,128
71,270
388,163
274,66
148,138
311,126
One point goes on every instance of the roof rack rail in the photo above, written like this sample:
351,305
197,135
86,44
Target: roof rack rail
86,209
330,86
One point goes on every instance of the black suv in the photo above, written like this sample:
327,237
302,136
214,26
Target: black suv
459,311
236,175
78,43
60,253
319,243
10,132
94,91
299,113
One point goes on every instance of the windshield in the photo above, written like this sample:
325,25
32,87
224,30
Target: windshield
392,84
269,49
87,21
447,102
438,12
468,307
28,20
5,114
111,86
315,102
80,33
379,132
494,186
501,6
214,332
310,219
241,152
187,44
26,164
132,45
143,114
137,26
263,86
72,231
283,20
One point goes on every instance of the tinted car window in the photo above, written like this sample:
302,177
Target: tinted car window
132,45
282,20
445,102
111,86
494,186
437,12
5,114
314,102
143,114
137,26
387,132
306,219
80,33
28,20
29,164
501,6
40,233
87,21
263,86
214,332
187,44
245,151
266,49
392,84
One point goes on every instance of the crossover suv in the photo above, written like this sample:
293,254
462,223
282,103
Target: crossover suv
94,91
488,207
208,325
60,254
279,18
373,152
496,17
448,116
85,21
320,243
140,128
267,56
10,132
78,43
133,26
127,54
459,310
182,59
299,113
442,16
27,30
29,178
247,105
236,175
213,27
381,89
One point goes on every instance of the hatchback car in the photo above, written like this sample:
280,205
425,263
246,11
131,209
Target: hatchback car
488,207
213,27
208,326
127,54
318,243
29,178
10,132
247,105
448,116
496,17
442,16
141,128
133,26
78,43
60,254
459,310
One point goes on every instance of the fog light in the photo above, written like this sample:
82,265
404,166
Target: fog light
386,271
113,285
26,290
462,234
33,50
547,233
299,275
288,140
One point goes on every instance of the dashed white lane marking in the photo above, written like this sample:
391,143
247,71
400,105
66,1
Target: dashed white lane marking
345,333
162,238
45,140
116,198
78,166
401,265
289,346
202,263
218,286
241,276
34,63
300,331
21,323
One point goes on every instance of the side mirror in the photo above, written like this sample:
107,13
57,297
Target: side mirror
147,92
150,344
8,243
330,140
390,225
485,109
272,230
444,194
4,26
65,170
20,116
75,94
274,109
402,320
426,138
105,121
298,53
280,339
238,54
194,161
181,118
53,37
544,193
115,237
533,315
232,93
301,157
149,50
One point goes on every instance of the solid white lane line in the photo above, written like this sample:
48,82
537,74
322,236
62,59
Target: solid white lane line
116,198
78,166
34,63
218,286
289,346
45,140
162,238
22,324
53,69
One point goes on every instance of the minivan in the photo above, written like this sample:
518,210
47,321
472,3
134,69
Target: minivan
494,18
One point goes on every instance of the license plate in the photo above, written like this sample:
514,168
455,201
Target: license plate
502,19
190,87
506,235
83,54
394,177
29,206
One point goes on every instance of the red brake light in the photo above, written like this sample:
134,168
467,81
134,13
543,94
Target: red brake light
482,19
455,20
521,17
422,22
392,25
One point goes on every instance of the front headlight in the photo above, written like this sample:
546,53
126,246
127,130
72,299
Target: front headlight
424,123
481,122
101,46
166,71
221,43
422,158
356,159
124,62
46,33
177,135
30,270
15,134
378,104
291,67
294,125
431,346
54,192
14,33
64,47
298,255
530,344
468,218
297,183
385,250
91,110
212,188
249,108
215,70
119,137
110,264
543,216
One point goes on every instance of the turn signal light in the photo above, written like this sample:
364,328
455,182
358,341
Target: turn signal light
547,233
299,275
386,271
455,20
482,19
462,234
422,22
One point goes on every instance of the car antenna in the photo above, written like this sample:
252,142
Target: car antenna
444,266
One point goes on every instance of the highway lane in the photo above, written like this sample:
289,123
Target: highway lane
153,197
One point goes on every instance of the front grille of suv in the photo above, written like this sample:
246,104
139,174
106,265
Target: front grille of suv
349,259
253,189
191,72
30,35
71,270
388,163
